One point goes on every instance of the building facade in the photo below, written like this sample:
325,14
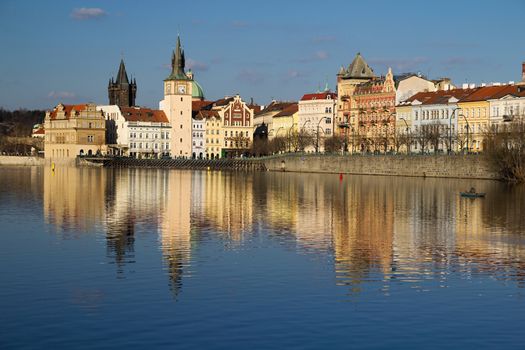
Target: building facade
74,130
177,105
137,132
317,116
198,134
122,92
347,79
375,112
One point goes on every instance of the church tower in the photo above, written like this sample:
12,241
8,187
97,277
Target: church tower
121,92
177,104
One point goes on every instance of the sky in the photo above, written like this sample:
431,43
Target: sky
67,50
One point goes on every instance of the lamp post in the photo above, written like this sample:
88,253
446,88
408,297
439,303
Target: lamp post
317,143
353,139
289,133
408,135
466,121
450,130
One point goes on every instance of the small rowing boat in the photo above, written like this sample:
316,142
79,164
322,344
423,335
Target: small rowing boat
472,194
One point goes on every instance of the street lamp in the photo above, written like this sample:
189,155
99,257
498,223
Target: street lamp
317,143
289,133
450,130
408,135
466,121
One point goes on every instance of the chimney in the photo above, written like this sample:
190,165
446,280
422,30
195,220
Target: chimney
472,86
464,86
523,72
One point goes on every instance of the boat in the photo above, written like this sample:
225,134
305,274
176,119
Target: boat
472,194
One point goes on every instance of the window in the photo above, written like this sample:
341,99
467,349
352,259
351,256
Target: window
328,131
90,138
328,120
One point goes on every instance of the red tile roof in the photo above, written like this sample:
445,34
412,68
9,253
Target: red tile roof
441,96
319,96
139,114
288,111
198,105
39,131
275,106
68,110
204,114
489,92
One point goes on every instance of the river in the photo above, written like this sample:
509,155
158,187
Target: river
156,258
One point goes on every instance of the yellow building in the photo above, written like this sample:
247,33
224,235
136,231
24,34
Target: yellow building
286,122
347,79
403,135
214,136
474,117
228,126
73,130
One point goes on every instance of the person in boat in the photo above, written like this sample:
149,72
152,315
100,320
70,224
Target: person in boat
472,190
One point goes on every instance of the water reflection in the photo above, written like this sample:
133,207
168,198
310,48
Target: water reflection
377,230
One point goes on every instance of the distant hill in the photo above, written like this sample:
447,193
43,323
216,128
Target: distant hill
19,123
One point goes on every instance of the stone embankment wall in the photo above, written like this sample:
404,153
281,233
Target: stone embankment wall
21,161
457,166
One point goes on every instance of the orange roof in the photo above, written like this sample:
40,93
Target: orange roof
39,131
198,105
489,92
440,96
319,96
207,114
288,111
68,110
139,114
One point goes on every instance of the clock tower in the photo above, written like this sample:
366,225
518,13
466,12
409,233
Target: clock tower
177,105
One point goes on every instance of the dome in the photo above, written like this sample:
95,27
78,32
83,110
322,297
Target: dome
196,91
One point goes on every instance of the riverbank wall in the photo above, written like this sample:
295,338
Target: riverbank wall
21,161
441,166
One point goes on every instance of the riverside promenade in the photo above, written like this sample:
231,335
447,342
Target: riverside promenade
440,166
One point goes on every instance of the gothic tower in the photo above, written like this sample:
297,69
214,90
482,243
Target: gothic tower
177,104
121,92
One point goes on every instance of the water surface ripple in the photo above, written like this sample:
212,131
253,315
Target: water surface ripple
140,258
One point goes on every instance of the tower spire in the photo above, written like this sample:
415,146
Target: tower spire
122,76
178,62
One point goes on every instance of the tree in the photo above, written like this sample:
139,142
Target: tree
333,144
277,145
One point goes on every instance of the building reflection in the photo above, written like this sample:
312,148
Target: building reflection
175,227
382,229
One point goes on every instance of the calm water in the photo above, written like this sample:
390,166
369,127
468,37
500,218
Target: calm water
100,258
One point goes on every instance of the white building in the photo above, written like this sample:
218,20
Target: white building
409,85
508,106
198,132
136,132
317,116
437,110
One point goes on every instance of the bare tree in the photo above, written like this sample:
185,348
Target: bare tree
505,148
334,144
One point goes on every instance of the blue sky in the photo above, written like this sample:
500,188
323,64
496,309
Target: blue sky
66,50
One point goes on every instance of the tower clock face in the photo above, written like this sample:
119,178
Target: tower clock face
182,89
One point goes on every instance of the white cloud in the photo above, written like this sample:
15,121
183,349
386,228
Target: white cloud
86,13
196,65
61,95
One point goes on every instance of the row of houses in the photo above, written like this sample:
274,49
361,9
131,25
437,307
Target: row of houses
371,113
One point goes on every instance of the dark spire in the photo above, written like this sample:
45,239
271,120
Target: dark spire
178,63
122,76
